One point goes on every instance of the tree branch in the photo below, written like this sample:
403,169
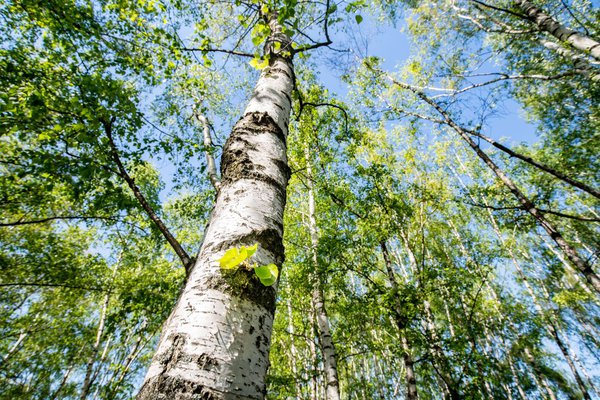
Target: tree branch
62,285
531,161
572,254
64,217
327,41
181,253
212,50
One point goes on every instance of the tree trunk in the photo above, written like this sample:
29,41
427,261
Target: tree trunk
581,64
215,344
88,381
548,24
332,391
563,349
409,364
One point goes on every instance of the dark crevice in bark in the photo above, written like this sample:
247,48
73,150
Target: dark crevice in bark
167,388
237,164
172,356
241,282
269,239
252,123
273,71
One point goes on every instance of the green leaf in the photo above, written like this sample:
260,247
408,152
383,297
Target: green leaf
256,40
358,18
267,274
234,257
258,63
251,250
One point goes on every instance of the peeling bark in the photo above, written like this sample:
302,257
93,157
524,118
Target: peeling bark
215,344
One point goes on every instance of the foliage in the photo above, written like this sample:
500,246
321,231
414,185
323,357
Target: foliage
421,251
235,258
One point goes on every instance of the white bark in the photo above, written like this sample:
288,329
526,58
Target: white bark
215,344
293,351
546,23
582,65
88,381
332,391
407,359
211,167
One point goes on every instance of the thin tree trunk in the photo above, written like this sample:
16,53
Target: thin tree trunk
529,357
411,380
211,168
102,359
554,333
332,391
438,354
87,381
409,365
13,349
133,354
89,376
216,342
65,377
544,382
582,367
548,24
563,349
314,382
293,351
62,383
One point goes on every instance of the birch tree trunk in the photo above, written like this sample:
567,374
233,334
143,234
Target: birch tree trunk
332,387
215,344
548,24
411,379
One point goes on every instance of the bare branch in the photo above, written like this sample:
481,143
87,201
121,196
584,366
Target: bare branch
181,253
531,161
212,50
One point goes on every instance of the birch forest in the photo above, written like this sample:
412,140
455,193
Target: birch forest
299,199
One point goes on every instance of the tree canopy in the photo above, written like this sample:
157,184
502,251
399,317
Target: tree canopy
441,224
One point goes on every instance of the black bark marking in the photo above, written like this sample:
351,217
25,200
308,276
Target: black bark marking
284,168
165,387
243,283
269,239
289,99
170,357
257,342
274,71
207,363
